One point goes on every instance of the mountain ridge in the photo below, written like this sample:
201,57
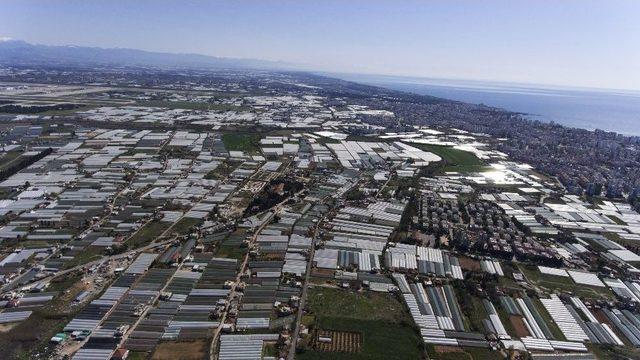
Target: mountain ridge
19,52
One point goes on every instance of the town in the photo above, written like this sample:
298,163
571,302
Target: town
164,214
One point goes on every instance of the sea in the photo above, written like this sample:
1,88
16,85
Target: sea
610,110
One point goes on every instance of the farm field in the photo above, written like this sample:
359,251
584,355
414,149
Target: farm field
454,159
187,350
90,253
147,234
461,353
21,340
341,341
562,283
242,142
340,303
384,325
8,158
472,309
185,225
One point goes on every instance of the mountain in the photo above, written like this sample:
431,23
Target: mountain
17,52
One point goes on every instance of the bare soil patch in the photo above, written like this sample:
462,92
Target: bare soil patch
185,350
341,341
469,264
518,326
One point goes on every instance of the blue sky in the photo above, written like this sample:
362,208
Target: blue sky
563,42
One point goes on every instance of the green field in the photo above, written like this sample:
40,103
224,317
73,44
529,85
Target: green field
230,246
381,340
482,354
34,244
242,142
386,328
46,110
137,355
340,303
231,251
563,283
63,283
8,158
472,309
477,315
88,254
617,220
147,234
32,335
185,225
454,159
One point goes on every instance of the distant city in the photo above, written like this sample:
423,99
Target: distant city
610,110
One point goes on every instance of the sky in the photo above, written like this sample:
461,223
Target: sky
582,43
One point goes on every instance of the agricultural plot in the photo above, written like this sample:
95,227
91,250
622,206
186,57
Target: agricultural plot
563,283
22,340
88,254
185,225
472,309
242,142
187,350
335,302
231,247
454,159
8,158
518,326
147,234
379,318
338,341
442,352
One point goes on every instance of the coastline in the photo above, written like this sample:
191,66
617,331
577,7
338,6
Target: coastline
589,109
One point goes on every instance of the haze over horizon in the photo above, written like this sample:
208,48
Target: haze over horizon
570,43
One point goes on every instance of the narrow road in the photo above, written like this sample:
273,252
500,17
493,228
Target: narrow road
150,305
118,256
13,284
305,285
303,296
213,348
232,292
